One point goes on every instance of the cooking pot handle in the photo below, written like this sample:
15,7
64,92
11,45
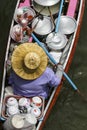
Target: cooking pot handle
40,17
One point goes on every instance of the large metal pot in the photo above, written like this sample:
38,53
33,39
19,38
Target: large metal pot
45,11
44,25
56,41
46,2
67,25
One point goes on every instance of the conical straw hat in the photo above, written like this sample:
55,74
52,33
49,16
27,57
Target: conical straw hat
29,61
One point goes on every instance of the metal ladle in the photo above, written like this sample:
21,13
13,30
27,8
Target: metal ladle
55,40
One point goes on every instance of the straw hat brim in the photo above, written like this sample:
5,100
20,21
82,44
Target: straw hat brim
18,61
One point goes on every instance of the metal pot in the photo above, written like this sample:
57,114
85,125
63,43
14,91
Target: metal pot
46,2
54,9
56,41
44,25
67,25
20,122
24,13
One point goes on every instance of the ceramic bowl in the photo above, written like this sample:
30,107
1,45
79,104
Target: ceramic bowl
36,111
24,102
12,110
11,102
36,102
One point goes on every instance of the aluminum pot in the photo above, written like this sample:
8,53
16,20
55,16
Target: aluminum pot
46,2
44,25
56,41
54,9
20,122
67,25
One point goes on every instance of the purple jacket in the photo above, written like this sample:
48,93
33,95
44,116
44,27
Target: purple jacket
36,87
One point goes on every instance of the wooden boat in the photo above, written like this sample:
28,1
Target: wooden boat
73,9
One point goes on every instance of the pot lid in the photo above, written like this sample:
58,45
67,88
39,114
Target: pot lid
46,2
56,41
54,9
43,25
17,121
67,25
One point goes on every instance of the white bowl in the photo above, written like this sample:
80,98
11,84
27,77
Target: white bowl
36,111
36,101
24,102
18,121
12,102
12,110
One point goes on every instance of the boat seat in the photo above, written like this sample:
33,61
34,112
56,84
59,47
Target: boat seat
72,8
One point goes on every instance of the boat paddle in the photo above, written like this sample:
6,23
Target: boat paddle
49,55
52,36
53,61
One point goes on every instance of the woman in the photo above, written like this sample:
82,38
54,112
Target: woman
30,75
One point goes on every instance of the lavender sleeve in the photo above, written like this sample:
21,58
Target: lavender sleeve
11,81
53,79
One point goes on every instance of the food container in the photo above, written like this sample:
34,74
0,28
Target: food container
25,12
12,110
36,102
19,33
56,41
15,122
36,111
12,102
24,102
20,122
5,113
44,25
67,25
46,2
16,33
45,11
30,121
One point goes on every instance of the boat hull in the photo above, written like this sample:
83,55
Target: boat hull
77,13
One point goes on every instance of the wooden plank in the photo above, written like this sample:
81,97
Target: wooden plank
72,8
22,4
25,3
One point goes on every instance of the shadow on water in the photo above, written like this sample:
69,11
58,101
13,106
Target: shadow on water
70,110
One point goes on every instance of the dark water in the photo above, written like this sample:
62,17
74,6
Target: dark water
70,110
